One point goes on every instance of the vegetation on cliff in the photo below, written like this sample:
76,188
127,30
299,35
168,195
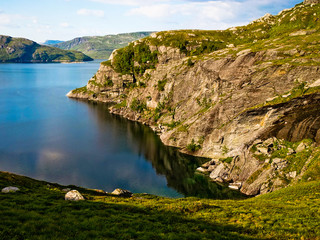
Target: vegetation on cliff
39,211
101,47
24,50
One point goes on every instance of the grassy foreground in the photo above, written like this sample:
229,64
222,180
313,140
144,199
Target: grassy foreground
39,211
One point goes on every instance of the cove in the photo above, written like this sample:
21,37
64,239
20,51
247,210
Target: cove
45,135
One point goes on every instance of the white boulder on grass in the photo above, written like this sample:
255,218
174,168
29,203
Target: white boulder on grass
10,190
73,195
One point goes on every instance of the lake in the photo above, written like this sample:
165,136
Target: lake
47,136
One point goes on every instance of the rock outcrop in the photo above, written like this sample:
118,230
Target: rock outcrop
311,1
220,94
122,192
10,190
73,195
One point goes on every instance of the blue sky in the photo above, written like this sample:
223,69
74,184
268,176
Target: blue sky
41,20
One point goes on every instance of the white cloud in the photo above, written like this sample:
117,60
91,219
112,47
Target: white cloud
203,14
154,11
7,19
90,12
132,2
64,24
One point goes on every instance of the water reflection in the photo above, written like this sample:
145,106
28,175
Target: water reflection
178,168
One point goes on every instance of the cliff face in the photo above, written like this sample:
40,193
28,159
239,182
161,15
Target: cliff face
247,97
24,50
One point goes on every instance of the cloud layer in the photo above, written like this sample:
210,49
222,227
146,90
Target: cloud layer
90,12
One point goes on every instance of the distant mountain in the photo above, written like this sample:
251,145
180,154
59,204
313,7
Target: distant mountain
101,47
52,42
25,50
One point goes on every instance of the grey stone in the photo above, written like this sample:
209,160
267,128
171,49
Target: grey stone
302,146
218,171
290,151
73,195
201,169
10,189
122,192
292,174
263,150
207,164
279,163
235,186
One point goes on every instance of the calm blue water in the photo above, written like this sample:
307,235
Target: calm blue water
47,136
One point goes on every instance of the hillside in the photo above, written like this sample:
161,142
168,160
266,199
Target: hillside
24,50
39,211
101,47
247,97
52,42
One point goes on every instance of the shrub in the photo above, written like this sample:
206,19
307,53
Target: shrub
193,147
137,105
190,63
162,84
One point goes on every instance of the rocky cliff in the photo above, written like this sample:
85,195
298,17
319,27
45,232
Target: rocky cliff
24,50
247,97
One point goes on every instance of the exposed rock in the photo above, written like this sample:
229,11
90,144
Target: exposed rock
10,190
302,33
235,186
302,146
122,193
208,164
315,84
263,150
66,190
201,169
311,1
279,163
220,171
292,174
73,195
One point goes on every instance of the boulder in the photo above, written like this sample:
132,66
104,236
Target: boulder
201,169
235,186
302,146
10,189
218,171
73,195
122,193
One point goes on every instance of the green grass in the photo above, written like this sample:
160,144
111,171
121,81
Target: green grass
39,211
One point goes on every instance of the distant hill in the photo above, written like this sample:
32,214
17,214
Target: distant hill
101,47
25,50
52,42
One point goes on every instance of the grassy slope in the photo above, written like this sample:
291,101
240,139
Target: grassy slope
101,47
39,211
24,50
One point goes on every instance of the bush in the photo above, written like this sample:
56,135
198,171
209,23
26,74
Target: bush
193,147
162,84
190,63
137,105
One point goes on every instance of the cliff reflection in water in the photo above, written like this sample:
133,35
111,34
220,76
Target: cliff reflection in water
178,168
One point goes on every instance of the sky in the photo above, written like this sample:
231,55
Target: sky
41,20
